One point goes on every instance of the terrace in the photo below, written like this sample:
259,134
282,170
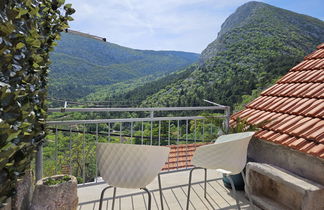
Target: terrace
172,127
287,154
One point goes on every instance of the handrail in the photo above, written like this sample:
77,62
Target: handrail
150,109
133,129
73,122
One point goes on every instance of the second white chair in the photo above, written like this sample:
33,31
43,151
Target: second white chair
130,166
227,155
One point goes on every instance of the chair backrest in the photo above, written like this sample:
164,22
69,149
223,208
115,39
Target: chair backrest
229,152
130,166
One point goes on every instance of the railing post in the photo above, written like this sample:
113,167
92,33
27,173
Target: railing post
39,163
227,118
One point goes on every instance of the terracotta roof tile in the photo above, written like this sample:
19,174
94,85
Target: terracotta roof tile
254,102
278,121
258,134
318,149
281,138
316,54
319,94
290,102
313,76
300,89
294,107
287,77
266,102
254,116
298,143
289,122
265,92
299,76
276,104
180,155
267,134
314,109
302,127
307,146
267,116
289,141
299,66
316,133
301,106
320,46
244,114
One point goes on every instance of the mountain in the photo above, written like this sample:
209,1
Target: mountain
81,65
133,92
257,44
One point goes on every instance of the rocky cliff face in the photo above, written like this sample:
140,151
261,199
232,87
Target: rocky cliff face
257,15
256,45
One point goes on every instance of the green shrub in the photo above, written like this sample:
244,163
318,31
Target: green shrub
58,180
28,30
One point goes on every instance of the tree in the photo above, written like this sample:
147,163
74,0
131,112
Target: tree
28,30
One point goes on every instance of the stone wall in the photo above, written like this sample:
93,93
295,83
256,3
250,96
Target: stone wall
299,163
273,188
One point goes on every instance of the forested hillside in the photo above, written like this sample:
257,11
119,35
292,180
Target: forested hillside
256,45
82,65
133,92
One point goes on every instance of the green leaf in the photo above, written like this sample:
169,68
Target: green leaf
20,45
67,6
22,12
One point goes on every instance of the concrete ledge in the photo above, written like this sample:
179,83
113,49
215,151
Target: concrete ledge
274,188
297,162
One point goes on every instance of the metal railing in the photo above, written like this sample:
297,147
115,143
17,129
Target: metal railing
70,145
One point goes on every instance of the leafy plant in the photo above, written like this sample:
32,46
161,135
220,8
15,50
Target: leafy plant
28,30
57,180
241,125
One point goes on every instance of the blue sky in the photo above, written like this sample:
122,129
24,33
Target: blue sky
184,25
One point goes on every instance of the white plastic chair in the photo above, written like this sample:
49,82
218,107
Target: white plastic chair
227,155
130,166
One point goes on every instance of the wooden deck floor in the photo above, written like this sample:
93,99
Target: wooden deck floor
175,186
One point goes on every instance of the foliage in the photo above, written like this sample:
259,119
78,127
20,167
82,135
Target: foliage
28,30
57,180
82,65
241,125
133,92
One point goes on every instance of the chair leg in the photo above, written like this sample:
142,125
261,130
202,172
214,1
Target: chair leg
102,195
160,188
114,197
189,185
248,194
149,197
234,190
205,184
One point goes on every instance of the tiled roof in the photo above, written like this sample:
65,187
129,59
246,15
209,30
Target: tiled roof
294,107
180,156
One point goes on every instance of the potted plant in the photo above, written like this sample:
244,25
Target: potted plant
55,192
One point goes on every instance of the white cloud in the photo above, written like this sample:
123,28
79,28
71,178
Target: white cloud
187,25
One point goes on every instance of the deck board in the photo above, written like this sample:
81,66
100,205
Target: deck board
175,189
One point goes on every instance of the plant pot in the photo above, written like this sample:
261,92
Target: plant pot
237,179
61,196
